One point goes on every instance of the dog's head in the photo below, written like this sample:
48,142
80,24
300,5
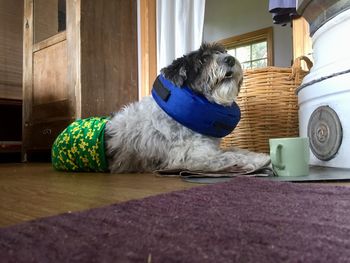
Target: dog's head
209,71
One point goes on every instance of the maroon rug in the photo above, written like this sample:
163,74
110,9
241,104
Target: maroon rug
244,220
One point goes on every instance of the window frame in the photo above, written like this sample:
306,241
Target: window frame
265,34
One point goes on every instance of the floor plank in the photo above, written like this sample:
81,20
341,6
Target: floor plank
29,191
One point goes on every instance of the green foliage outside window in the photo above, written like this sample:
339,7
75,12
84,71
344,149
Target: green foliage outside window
252,55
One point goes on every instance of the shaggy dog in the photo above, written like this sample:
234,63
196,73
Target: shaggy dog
142,137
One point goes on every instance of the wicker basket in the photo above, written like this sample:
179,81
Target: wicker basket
269,106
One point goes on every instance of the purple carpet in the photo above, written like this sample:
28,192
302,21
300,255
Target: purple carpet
244,220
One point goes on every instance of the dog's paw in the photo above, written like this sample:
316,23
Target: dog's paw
254,161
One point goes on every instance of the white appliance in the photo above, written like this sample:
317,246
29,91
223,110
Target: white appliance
324,96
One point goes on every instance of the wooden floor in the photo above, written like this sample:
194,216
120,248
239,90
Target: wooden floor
35,190
29,191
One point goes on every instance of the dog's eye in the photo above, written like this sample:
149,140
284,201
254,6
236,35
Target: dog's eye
217,52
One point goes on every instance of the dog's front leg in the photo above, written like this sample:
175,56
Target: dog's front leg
206,158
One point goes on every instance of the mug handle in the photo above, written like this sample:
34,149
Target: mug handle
276,157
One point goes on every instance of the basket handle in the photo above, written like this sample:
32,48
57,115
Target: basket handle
296,67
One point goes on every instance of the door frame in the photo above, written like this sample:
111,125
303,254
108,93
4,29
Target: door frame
147,45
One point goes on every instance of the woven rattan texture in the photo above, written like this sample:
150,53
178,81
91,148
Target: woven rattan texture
269,107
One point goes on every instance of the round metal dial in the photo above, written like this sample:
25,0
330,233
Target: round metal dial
325,133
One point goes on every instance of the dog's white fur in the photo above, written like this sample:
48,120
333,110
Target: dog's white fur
143,138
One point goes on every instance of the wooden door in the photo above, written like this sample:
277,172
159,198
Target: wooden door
48,104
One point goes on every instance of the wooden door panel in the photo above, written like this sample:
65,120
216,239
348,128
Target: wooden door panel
50,89
50,74
44,134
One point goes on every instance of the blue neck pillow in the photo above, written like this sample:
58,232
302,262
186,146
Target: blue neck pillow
193,110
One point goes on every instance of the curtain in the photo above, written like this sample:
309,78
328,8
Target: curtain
179,29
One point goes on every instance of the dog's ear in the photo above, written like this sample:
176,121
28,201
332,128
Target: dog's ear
176,71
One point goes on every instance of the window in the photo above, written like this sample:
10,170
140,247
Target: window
251,55
253,50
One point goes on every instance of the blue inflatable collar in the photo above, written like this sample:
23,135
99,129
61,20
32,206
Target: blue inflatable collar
193,110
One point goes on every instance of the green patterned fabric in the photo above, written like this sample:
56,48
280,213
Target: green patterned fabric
80,147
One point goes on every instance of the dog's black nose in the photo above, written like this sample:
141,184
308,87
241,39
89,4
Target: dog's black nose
229,60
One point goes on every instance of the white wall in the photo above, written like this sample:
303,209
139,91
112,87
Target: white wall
227,18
